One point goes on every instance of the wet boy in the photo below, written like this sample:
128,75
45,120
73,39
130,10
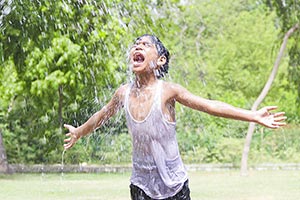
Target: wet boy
157,169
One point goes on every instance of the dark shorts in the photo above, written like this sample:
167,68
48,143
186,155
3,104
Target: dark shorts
138,194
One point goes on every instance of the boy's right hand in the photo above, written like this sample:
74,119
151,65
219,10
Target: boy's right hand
72,137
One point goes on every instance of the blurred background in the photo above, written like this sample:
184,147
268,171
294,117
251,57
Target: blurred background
61,61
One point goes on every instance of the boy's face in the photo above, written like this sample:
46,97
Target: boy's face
143,55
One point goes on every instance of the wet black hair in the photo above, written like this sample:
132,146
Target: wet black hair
162,51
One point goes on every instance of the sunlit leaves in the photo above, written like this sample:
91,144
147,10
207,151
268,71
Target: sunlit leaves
242,53
64,59
67,57
288,11
57,65
9,85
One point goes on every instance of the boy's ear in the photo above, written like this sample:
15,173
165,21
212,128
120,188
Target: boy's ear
161,60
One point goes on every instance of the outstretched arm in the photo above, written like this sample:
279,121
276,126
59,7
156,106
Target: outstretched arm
217,108
95,121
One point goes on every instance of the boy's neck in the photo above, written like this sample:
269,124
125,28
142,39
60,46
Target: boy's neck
144,81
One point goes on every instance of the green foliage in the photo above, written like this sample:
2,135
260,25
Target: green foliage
289,14
276,146
61,61
55,67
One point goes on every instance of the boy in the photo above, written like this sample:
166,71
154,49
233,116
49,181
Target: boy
158,171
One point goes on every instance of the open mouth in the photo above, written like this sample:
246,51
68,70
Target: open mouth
138,57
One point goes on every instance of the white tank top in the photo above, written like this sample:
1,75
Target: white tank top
157,166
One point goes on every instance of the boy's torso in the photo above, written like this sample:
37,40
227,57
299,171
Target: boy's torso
141,101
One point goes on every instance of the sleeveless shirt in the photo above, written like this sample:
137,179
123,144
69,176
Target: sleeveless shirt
157,166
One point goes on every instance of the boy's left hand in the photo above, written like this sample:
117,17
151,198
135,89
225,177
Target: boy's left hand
270,120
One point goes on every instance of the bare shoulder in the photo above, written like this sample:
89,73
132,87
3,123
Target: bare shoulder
120,93
171,85
172,90
122,89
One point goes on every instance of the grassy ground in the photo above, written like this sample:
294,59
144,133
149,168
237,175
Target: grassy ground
259,185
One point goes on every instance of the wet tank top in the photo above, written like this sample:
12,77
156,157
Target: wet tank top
157,166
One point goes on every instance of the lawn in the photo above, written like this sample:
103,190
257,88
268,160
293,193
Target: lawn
226,185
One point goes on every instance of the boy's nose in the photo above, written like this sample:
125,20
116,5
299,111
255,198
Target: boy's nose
138,47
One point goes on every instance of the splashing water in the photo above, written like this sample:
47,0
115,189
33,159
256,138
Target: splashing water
89,51
62,164
5,9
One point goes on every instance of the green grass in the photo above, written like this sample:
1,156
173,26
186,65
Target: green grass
229,185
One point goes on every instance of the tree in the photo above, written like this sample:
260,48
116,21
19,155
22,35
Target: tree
288,12
228,48
261,97
4,168
66,56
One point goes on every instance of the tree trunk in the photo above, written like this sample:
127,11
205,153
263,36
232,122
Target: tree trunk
263,94
60,106
3,159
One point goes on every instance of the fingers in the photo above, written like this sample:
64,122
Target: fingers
269,108
279,114
67,126
279,124
276,125
67,140
70,141
68,134
68,146
279,119
71,137
273,120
